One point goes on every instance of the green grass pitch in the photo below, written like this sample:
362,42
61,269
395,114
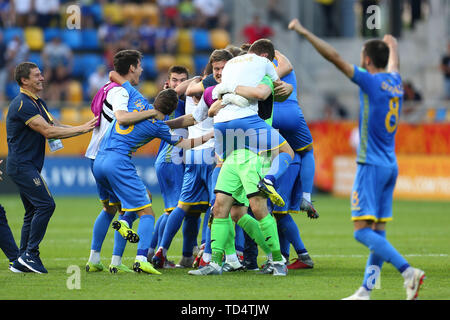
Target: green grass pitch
420,231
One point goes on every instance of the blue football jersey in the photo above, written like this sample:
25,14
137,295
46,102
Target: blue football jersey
381,99
290,78
127,139
167,152
289,119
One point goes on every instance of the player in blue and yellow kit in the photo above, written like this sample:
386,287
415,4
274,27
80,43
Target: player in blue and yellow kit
169,163
381,95
296,185
114,170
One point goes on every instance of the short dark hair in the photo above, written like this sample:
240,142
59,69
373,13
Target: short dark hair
220,55
126,58
23,70
263,46
235,51
178,70
166,101
378,52
245,46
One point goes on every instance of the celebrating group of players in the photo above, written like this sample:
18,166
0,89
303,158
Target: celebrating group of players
245,160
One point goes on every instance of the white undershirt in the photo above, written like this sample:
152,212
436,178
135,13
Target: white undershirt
118,98
246,70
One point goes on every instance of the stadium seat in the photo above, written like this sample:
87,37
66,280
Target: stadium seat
184,42
164,62
201,39
50,33
73,38
90,39
200,62
430,115
187,61
149,89
56,113
149,66
86,114
220,38
34,37
36,58
132,12
10,33
90,63
78,67
94,10
69,115
75,92
113,11
12,90
150,11
441,114
4,114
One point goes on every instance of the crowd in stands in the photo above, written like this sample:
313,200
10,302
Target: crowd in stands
75,61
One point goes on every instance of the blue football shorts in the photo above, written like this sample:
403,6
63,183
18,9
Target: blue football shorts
250,133
105,196
117,174
170,179
372,192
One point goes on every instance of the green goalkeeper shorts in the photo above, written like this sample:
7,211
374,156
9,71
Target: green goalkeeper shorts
240,175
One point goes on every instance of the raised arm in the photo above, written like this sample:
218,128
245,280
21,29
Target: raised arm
125,118
195,87
394,61
181,122
182,87
326,50
40,125
284,65
261,92
215,108
194,142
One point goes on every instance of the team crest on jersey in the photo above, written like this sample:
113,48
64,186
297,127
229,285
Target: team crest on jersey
37,182
139,105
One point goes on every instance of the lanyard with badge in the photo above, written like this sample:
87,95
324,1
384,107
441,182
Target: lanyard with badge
54,144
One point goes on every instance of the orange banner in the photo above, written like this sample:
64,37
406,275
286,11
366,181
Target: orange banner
335,138
419,177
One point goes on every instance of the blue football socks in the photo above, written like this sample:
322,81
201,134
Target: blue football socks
239,240
173,224
373,267
307,169
205,224
279,166
190,229
289,229
156,234
100,230
145,231
379,246
119,242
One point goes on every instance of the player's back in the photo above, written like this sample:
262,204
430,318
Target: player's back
246,70
381,98
289,119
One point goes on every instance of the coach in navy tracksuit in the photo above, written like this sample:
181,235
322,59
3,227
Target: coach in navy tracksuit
28,125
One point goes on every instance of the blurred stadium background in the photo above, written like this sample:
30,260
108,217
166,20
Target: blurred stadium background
76,62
